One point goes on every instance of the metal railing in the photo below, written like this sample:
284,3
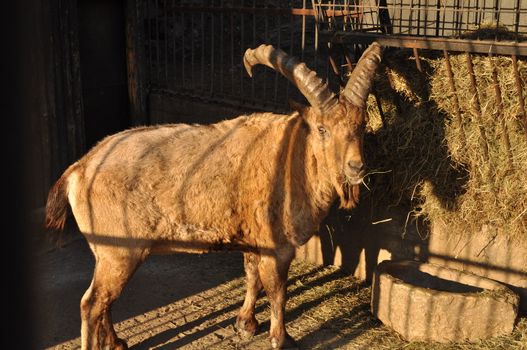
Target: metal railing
195,48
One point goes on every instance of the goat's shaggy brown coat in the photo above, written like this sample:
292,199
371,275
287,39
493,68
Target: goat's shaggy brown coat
260,183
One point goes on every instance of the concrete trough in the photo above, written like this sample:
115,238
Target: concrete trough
427,302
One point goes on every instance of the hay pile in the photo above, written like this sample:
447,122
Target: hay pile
463,174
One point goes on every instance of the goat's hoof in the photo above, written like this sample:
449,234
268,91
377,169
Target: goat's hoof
287,344
120,345
246,328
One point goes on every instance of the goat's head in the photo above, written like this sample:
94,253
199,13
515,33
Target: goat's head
336,123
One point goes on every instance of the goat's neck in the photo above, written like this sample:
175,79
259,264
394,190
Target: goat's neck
320,190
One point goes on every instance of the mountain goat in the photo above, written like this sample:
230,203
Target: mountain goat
261,184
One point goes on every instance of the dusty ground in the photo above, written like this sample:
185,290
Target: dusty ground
191,301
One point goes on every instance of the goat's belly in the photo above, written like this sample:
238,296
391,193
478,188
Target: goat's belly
190,239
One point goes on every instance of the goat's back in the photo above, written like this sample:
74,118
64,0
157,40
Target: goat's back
179,182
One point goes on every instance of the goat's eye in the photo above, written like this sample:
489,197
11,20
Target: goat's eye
322,130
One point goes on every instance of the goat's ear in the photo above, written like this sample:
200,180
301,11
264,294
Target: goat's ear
297,106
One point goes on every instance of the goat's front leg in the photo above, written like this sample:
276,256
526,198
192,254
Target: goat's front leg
246,323
273,271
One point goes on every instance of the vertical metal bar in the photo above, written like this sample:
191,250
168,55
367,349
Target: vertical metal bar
166,42
212,53
242,45
174,46
410,18
192,59
477,107
444,18
417,60
332,63
232,53
361,18
517,20
459,19
469,13
254,46
149,40
500,115
401,17
275,97
182,84
455,100
379,105
419,17
202,62
497,8
315,58
291,45
477,16
158,39
347,57
519,90
426,18
303,30
266,29
222,15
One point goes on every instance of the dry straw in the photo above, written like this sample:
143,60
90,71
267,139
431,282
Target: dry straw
469,173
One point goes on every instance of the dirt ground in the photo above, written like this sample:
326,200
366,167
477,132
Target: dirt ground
190,302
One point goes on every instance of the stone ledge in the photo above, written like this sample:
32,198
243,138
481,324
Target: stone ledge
427,302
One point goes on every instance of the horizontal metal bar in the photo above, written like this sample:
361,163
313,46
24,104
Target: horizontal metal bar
263,10
462,45
234,101
427,8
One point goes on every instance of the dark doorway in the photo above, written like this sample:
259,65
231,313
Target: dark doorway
103,68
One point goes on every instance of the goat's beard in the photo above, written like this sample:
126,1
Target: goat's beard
349,195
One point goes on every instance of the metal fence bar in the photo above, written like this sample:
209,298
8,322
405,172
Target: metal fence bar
192,77
517,20
242,27
174,46
275,91
253,46
232,52
266,36
158,39
499,113
455,100
221,48
202,62
477,107
519,90
172,24
166,42
431,43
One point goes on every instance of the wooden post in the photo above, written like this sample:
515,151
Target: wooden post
135,62
68,112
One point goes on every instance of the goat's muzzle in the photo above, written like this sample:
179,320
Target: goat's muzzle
355,172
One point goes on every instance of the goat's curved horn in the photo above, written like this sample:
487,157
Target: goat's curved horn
361,79
310,85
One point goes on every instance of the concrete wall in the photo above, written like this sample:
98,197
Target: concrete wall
485,253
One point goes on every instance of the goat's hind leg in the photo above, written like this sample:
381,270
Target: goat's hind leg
112,272
246,323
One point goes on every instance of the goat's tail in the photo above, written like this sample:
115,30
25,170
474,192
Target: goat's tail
57,204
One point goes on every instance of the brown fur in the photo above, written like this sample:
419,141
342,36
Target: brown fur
261,184
57,204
